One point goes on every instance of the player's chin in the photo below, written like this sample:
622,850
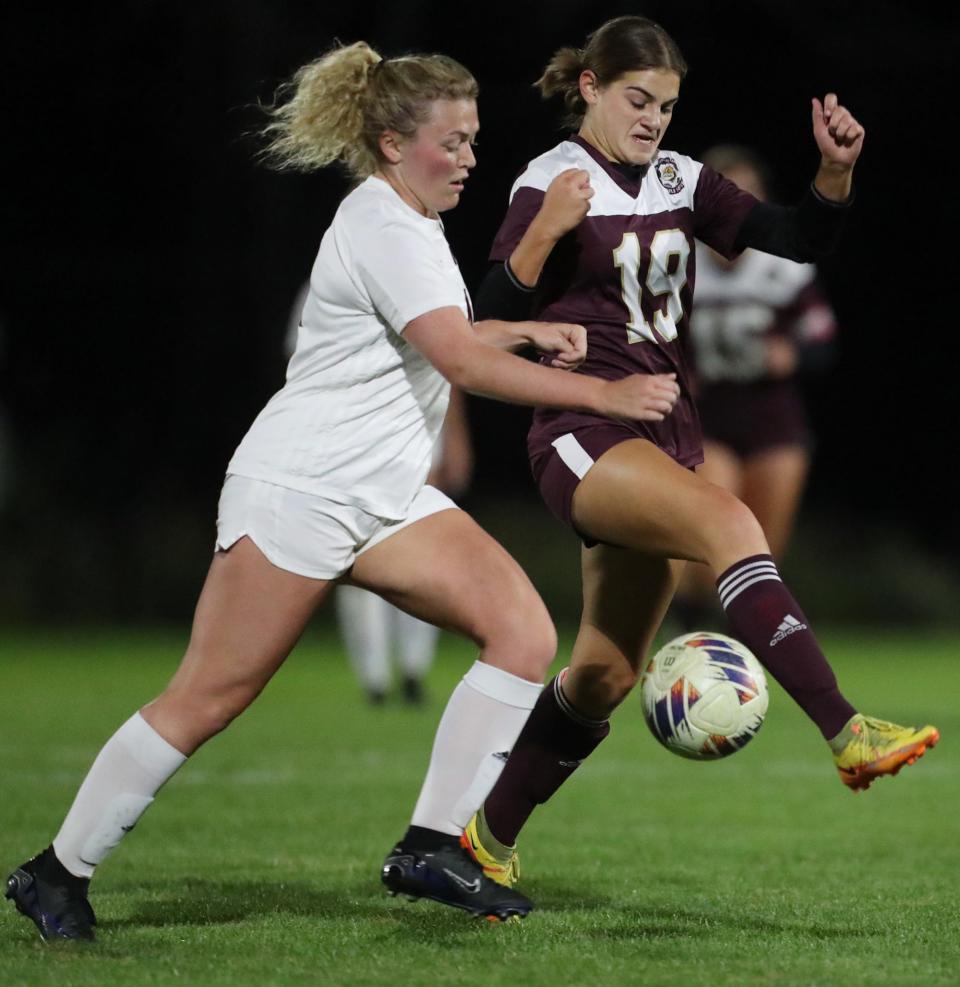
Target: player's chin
450,199
640,152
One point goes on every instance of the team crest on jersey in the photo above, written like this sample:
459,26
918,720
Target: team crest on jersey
669,175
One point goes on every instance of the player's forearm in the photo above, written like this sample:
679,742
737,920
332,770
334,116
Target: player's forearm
834,182
493,373
530,255
509,336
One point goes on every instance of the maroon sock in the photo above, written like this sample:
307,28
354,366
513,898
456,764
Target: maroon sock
551,745
764,615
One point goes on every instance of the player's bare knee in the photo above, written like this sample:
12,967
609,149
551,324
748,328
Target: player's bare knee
522,641
540,647
733,528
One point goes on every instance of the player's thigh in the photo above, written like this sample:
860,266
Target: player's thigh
626,594
773,485
722,466
636,496
248,618
446,570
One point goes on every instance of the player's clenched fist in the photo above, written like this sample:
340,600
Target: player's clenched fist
565,202
565,343
836,131
642,397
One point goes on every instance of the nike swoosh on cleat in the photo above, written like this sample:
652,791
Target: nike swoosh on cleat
471,887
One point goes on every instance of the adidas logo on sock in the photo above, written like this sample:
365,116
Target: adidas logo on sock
789,625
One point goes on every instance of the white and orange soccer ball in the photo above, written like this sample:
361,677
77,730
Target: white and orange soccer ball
704,695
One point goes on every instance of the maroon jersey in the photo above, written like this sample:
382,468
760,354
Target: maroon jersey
627,274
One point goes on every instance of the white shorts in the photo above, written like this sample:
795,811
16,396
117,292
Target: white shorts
305,534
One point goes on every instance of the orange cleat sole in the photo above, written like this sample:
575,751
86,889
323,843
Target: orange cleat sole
864,776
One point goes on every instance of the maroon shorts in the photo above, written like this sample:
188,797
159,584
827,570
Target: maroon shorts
751,418
563,464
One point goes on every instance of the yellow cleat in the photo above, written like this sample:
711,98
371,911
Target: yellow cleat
500,863
867,748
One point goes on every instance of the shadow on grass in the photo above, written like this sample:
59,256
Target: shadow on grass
200,902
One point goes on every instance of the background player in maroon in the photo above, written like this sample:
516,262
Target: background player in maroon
600,231
759,323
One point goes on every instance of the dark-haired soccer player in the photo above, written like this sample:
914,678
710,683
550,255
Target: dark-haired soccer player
600,231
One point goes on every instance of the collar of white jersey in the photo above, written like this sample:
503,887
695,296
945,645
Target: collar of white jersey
380,186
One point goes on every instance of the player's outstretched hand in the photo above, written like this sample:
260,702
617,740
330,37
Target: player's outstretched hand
641,397
836,131
565,202
565,343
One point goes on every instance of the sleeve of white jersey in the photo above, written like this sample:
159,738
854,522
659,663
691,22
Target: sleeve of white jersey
406,273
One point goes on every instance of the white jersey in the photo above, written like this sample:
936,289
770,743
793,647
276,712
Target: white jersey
361,408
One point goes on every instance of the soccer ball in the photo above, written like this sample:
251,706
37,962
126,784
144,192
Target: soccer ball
704,695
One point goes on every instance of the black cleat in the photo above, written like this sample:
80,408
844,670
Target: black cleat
46,892
449,875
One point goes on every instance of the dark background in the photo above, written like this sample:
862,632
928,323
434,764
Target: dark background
150,263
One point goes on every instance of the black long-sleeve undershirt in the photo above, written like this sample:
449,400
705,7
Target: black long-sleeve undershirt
502,296
804,232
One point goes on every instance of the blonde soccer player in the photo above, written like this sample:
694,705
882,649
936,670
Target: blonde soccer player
329,485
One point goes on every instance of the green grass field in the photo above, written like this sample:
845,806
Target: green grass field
259,862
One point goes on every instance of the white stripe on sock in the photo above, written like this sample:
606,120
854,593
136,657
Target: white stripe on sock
725,601
728,582
731,586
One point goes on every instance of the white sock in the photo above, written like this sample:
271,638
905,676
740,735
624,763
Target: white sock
483,782
416,642
128,772
484,715
365,622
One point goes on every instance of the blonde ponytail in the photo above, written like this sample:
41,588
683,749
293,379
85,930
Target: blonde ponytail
319,112
336,108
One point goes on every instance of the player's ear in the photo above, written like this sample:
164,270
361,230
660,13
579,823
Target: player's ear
391,146
589,86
